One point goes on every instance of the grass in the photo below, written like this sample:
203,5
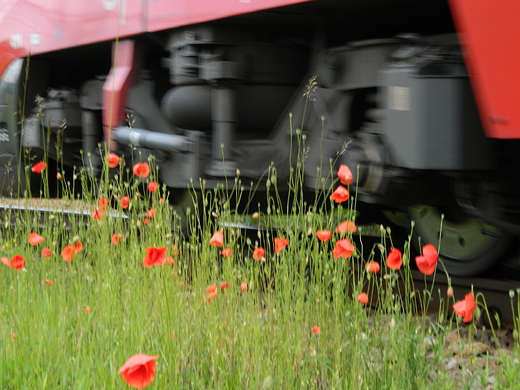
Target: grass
104,306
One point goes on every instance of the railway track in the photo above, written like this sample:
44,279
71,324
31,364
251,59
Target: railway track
40,211
495,289
501,296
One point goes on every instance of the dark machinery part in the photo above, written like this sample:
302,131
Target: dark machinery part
426,134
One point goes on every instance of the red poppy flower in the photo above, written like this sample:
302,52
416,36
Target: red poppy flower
141,170
465,308
155,256
78,247
170,261
98,215
113,160
346,227
146,222
87,309
324,235
68,252
46,252
345,175
39,167
428,261
35,239
212,295
394,260
116,238
224,285
125,201
227,252
49,282
103,204
372,267
5,261
152,186
139,370
344,248
212,288
279,244
151,212
58,176
17,262
316,329
258,253
243,286
217,239
340,195
363,298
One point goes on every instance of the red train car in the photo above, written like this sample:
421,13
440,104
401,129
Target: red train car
423,92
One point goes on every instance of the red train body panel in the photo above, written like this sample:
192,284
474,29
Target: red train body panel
422,92
39,27
490,31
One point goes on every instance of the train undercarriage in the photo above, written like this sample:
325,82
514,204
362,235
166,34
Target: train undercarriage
214,98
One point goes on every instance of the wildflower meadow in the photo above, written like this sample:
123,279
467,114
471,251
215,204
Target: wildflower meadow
129,294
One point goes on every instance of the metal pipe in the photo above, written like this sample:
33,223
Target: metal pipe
152,140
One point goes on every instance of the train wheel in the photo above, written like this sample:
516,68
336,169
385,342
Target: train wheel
468,245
